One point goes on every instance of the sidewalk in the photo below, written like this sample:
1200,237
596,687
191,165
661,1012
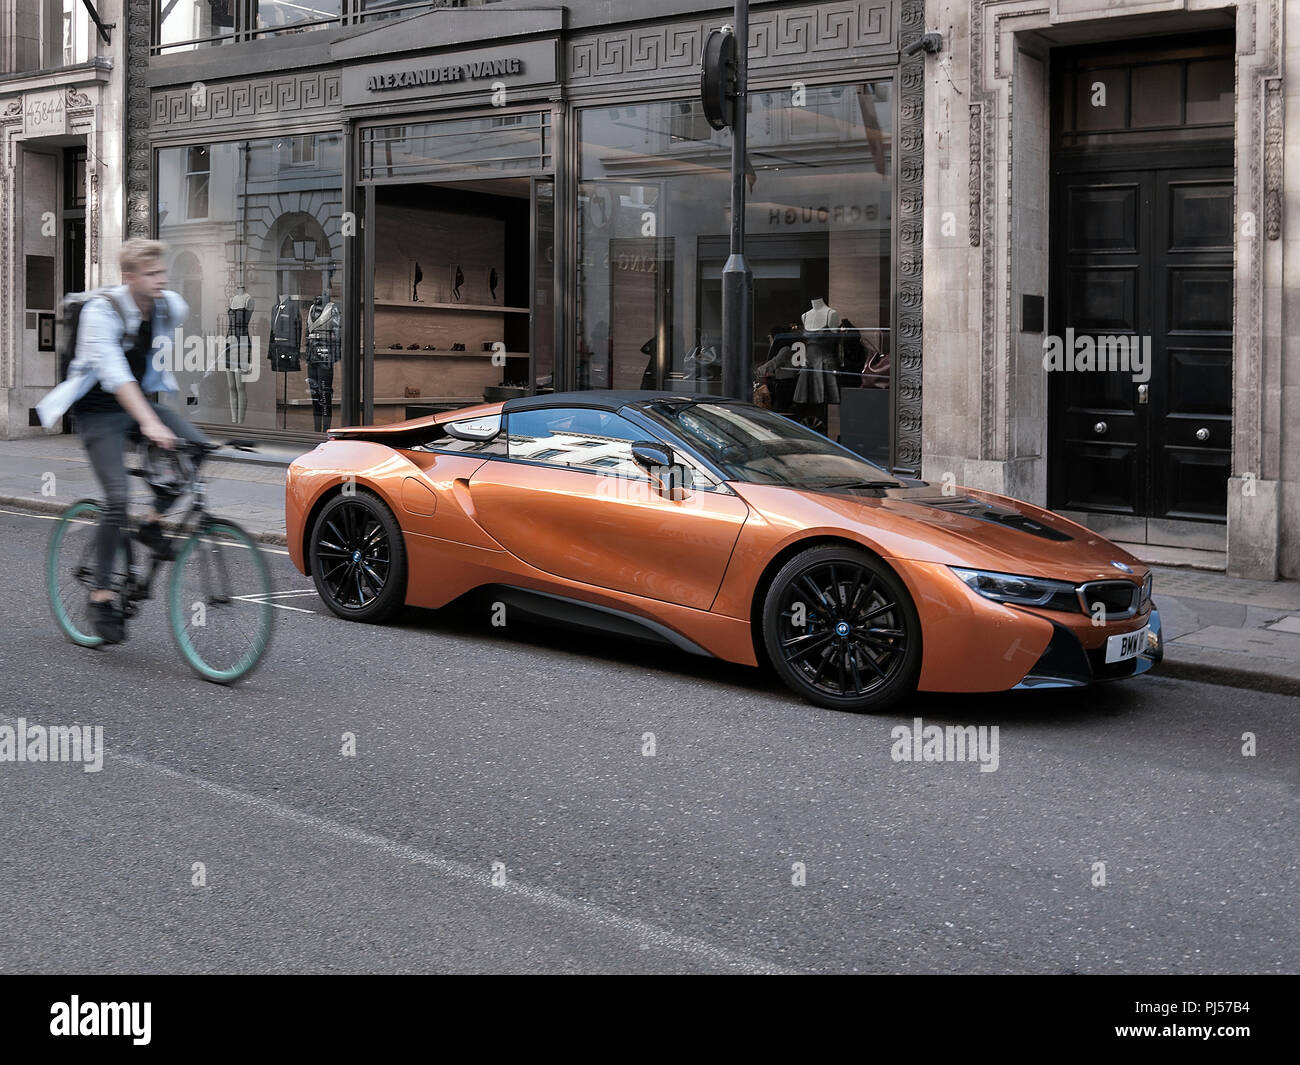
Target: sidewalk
1217,629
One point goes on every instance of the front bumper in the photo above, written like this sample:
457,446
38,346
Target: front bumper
1067,664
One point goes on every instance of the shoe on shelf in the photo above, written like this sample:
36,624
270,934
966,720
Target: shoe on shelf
151,535
430,347
107,621
413,347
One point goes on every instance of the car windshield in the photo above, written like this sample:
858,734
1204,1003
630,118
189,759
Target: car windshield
751,444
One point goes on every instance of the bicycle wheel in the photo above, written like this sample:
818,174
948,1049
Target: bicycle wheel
218,602
70,570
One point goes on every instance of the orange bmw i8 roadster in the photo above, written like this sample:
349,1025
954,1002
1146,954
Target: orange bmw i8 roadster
721,529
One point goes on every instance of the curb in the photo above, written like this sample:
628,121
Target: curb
37,505
1227,674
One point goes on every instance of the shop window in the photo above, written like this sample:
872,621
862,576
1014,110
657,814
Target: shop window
256,250
653,238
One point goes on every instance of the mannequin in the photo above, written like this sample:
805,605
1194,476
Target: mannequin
286,343
817,385
323,320
239,353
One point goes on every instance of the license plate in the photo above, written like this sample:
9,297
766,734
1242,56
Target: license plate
1126,645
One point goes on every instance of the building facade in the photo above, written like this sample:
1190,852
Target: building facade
483,199
62,180
1105,184
1055,240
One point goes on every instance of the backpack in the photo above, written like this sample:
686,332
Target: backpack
70,316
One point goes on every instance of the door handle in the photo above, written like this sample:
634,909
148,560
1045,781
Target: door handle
1142,394
1202,434
1099,428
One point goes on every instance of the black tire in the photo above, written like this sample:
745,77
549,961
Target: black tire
358,557
859,647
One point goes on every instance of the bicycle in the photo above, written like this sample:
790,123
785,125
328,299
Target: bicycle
220,587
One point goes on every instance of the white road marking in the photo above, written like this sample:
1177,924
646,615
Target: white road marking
642,932
81,521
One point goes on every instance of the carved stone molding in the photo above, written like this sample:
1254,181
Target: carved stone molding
850,29
279,97
138,162
1272,158
975,174
910,199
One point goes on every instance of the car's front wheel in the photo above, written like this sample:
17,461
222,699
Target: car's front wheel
358,557
841,630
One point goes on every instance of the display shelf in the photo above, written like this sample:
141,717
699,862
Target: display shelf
473,308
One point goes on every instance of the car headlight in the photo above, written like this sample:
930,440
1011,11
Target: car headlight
1022,591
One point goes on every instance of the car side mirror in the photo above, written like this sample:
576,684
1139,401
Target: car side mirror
658,461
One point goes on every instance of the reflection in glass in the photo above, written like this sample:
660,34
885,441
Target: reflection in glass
653,233
253,230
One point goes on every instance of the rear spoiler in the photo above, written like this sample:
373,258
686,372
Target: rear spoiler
400,434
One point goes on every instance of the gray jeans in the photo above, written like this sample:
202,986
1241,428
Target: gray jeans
104,436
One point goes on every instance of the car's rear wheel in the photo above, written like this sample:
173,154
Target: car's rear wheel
841,630
358,557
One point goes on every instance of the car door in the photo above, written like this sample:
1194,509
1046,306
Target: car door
568,499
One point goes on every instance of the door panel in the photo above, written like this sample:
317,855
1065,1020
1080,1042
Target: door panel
610,532
1191,401
1143,255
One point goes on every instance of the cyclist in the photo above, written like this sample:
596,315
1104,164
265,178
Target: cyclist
124,349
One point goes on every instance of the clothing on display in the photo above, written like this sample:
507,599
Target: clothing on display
817,382
323,320
239,353
286,336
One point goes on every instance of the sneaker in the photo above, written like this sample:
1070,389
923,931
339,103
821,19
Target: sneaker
107,621
151,535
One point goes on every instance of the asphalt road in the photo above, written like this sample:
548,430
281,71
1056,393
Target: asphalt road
478,745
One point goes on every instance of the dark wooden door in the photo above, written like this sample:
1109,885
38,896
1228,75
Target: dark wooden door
1142,270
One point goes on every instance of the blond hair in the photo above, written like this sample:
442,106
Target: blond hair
138,251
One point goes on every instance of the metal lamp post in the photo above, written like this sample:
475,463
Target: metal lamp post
723,86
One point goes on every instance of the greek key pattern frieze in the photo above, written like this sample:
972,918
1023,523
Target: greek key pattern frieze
273,97
776,38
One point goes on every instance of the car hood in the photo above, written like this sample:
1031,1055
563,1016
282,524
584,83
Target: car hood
952,526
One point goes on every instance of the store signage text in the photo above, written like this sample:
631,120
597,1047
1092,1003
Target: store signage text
409,79
789,216
514,66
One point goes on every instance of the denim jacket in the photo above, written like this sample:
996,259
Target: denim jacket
102,343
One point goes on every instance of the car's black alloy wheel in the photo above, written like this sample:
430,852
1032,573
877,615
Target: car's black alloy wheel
841,630
358,557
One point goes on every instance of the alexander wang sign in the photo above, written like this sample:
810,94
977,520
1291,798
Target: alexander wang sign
455,73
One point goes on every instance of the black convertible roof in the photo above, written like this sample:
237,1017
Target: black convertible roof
601,399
